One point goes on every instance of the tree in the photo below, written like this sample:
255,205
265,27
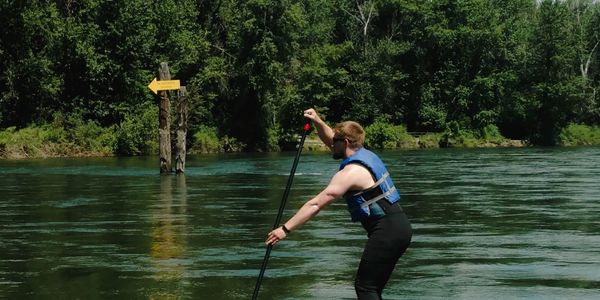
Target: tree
584,13
552,75
31,77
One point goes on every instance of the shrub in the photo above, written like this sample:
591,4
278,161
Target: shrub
577,134
430,140
138,134
231,144
206,140
90,136
491,134
34,141
382,135
455,136
465,139
273,139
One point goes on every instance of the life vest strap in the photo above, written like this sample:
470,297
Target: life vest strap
371,201
378,183
370,190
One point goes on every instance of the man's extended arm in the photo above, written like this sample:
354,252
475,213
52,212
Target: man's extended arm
353,177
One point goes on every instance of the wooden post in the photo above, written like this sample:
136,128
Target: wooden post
164,117
182,117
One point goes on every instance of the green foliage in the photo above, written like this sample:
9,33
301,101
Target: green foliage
231,144
206,140
381,135
273,139
578,134
27,142
138,133
432,115
456,136
430,140
63,137
492,134
526,68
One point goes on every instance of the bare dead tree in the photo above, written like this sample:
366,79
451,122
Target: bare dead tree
364,18
579,9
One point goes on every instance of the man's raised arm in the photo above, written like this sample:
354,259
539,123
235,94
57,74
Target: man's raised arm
325,132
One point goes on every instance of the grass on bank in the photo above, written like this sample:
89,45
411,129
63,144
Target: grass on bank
381,135
579,135
137,134
71,136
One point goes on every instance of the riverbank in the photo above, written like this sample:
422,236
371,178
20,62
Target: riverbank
25,149
91,140
427,142
28,144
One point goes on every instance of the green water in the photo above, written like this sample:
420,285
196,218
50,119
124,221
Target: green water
488,224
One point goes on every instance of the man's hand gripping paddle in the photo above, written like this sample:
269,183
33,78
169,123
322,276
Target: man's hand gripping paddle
280,213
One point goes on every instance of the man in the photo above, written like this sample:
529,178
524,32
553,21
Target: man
367,187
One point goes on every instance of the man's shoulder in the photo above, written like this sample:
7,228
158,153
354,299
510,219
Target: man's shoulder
355,168
357,175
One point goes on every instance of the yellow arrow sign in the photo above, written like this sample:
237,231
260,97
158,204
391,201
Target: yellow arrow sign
161,85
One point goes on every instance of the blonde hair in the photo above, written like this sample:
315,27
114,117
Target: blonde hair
352,131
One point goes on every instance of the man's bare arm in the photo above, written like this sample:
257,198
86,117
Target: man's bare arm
323,130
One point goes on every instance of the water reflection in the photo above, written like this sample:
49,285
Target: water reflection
169,244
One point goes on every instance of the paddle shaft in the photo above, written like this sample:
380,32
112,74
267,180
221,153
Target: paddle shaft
280,212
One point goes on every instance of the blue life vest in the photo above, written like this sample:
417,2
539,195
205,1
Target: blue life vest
364,203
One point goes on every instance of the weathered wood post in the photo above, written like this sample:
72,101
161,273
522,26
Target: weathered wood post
182,117
164,117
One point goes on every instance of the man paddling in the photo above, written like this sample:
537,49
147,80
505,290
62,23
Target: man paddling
372,198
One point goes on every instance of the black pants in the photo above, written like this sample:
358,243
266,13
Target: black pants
389,237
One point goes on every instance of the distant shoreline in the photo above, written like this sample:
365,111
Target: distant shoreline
68,150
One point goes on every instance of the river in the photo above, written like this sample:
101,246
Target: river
512,223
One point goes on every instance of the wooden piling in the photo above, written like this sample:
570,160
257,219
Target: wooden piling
164,117
182,117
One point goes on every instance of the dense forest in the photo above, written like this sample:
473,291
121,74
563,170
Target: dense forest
527,69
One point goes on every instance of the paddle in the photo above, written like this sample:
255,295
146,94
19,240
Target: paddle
280,213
